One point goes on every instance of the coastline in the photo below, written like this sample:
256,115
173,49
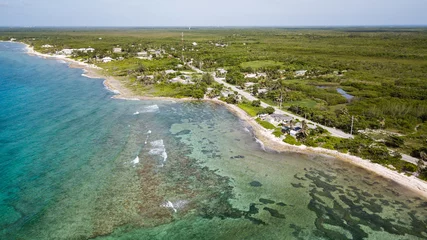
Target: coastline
267,138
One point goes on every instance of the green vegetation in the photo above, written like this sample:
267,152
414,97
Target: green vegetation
250,109
255,65
265,124
383,69
291,140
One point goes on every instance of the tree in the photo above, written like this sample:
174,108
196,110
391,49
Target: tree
234,77
198,94
256,103
207,78
269,110
255,90
304,130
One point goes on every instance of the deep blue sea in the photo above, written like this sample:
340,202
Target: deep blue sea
77,164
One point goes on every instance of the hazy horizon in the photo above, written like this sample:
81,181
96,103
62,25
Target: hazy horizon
221,13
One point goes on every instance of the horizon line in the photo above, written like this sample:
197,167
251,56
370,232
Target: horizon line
232,26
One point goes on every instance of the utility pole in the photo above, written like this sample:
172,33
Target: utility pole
352,122
182,42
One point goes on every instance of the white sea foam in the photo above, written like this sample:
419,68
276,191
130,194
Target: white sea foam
152,108
175,205
169,204
247,129
158,148
260,143
62,61
136,113
135,161
149,132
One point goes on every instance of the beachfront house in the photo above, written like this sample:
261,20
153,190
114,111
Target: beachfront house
277,119
107,59
66,51
117,50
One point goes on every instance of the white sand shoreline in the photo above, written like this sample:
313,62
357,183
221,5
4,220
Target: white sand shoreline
267,138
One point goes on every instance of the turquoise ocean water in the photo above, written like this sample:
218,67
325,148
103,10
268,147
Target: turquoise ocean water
77,164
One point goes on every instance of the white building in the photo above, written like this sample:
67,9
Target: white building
222,70
47,46
107,59
117,50
194,44
66,51
170,71
300,73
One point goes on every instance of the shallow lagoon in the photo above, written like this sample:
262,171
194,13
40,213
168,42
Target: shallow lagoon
69,170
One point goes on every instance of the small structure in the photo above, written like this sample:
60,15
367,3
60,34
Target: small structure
222,70
249,84
47,46
142,54
262,90
170,71
107,59
220,45
66,51
117,50
250,75
194,44
300,73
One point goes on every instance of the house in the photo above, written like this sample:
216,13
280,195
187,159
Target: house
170,71
142,54
264,75
249,84
250,75
117,50
277,118
222,70
47,46
300,73
13,39
194,44
66,51
89,49
107,59
220,45
262,90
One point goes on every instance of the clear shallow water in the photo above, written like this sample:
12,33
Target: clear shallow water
76,164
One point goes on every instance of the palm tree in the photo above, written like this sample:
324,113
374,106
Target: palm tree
304,129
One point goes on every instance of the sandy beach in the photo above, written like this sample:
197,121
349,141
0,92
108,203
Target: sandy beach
266,137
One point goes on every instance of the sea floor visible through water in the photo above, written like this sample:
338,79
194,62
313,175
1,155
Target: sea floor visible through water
77,164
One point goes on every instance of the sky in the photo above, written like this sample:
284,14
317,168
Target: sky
146,13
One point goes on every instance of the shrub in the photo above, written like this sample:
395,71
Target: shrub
256,103
269,110
409,167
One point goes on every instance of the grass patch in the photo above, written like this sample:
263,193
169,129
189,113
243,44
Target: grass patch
278,132
249,109
265,124
291,140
